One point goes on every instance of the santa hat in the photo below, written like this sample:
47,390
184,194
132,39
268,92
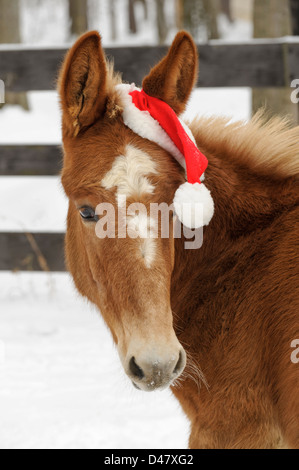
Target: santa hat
155,120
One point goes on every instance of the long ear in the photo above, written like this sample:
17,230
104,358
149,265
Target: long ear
82,83
173,79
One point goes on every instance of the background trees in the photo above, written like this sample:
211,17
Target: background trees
156,21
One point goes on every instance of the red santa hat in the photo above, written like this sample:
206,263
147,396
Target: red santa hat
155,120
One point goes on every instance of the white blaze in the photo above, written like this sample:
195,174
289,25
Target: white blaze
129,175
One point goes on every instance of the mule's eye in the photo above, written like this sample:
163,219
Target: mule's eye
88,214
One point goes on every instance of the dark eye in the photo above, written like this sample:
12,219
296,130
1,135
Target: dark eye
88,214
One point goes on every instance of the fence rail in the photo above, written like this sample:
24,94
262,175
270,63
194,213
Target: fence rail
31,251
255,64
258,63
30,160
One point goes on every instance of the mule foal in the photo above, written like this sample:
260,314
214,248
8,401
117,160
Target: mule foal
231,306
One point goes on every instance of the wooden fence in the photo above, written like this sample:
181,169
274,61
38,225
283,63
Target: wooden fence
259,63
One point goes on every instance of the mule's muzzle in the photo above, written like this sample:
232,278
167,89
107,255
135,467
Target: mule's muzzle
152,373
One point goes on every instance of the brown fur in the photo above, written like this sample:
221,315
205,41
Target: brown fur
173,79
235,301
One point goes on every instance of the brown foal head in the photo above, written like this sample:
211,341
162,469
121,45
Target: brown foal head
129,277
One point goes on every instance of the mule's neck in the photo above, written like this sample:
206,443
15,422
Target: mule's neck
245,204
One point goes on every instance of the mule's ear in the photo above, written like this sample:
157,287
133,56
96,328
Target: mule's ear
83,83
173,79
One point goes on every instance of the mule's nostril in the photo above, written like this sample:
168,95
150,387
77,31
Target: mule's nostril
135,369
179,364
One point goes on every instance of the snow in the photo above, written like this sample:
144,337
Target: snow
62,385
41,125
29,205
233,32
61,382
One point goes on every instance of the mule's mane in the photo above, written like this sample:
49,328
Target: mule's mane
267,146
113,78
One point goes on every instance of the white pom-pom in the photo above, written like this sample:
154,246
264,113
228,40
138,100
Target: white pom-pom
193,205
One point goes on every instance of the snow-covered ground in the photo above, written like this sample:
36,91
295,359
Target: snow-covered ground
61,382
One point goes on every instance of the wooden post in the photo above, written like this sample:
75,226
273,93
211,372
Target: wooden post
295,16
9,21
272,18
10,33
227,10
145,8
112,15
179,14
132,18
78,16
191,15
212,8
161,21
